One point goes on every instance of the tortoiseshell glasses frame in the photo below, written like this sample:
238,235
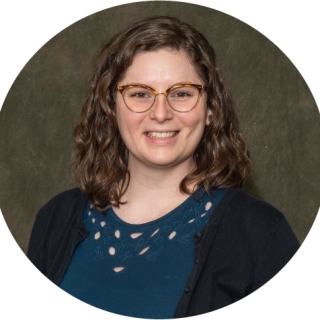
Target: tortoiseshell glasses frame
179,100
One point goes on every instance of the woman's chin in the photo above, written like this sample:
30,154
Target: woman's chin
163,161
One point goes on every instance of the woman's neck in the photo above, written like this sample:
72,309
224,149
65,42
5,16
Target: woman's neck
152,192
164,179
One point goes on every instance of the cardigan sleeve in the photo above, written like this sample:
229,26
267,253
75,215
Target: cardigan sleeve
57,230
281,247
36,239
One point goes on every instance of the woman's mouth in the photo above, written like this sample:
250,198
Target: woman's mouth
161,135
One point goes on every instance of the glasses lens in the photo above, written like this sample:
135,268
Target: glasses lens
184,98
138,99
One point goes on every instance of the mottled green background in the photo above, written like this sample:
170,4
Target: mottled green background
276,109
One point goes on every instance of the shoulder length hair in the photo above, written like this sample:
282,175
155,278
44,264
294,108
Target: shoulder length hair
100,158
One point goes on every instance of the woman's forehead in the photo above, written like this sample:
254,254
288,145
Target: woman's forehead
163,66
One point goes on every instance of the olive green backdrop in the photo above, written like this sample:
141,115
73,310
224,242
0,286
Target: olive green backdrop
277,113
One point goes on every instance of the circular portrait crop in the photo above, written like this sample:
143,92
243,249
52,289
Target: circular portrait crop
159,160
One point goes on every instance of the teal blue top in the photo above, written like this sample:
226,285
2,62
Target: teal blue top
138,270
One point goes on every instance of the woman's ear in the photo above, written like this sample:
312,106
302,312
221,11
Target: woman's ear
209,117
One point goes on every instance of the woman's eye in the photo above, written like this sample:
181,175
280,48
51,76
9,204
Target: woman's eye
183,94
180,94
140,95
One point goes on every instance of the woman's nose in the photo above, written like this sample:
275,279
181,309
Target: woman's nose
161,110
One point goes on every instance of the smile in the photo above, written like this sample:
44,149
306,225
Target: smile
162,135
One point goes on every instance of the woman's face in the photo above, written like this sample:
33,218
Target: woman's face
161,136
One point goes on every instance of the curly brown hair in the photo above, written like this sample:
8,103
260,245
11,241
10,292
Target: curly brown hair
101,157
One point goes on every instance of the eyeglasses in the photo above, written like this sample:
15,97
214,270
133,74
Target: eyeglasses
181,97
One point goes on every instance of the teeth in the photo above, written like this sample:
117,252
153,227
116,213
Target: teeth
161,135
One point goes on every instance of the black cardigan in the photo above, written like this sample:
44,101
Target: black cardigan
244,244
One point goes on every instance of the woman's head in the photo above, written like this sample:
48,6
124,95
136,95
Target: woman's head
101,158
161,111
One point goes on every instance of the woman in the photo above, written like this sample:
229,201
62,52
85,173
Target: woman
158,227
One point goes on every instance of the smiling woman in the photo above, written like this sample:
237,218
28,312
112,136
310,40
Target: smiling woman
160,55
159,227
144,133
161,140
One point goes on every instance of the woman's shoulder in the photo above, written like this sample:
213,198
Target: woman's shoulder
66,196
251,207
64,203
255,218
